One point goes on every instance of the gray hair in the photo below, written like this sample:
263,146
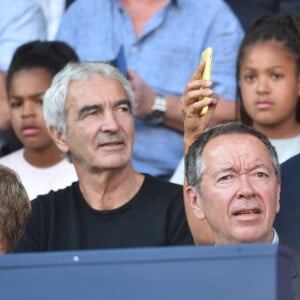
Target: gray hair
55,97
194,162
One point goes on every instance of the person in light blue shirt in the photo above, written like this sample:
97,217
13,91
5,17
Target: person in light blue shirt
162,42
20,21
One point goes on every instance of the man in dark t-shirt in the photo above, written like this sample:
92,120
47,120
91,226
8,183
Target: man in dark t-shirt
89,112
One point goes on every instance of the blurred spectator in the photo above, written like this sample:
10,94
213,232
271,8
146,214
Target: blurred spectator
269,81
20,22
53,11
40,164
248,11
15,209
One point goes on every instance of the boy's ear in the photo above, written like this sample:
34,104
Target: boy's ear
59,138
194,201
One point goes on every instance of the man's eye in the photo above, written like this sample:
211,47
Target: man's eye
225,178
123,109
89,113
261,174
92,112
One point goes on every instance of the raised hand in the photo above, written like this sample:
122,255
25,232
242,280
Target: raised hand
194,123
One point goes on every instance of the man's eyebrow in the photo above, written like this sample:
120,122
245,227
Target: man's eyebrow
87,108
223,170
123,101
264,166
231,169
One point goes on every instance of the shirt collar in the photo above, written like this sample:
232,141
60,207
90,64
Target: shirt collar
275,237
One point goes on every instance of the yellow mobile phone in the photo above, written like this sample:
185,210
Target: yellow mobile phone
206,56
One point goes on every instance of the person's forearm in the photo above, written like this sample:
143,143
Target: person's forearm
173,116
194,125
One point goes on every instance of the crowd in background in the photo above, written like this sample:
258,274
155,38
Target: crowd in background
255,72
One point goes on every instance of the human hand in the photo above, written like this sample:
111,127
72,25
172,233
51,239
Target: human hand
144,95
194,123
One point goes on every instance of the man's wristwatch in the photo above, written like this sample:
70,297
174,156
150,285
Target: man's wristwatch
159,108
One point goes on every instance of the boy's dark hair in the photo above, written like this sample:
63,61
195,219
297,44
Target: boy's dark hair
282,28
49,55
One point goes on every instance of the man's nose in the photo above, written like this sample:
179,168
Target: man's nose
109,122
246,188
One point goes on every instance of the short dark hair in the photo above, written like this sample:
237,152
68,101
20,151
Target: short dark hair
194,162
51,56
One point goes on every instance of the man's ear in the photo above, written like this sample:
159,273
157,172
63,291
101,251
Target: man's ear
194,201
59,138
278,196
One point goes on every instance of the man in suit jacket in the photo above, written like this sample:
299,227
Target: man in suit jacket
232,177
287,222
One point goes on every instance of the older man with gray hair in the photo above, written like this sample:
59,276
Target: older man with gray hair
89,112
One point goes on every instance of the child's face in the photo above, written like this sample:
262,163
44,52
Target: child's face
26,107
270,85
